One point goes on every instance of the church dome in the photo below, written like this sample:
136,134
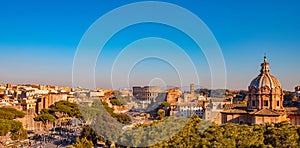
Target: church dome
265,79
265,91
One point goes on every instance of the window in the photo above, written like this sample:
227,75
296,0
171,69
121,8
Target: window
253,103
266,103
278,103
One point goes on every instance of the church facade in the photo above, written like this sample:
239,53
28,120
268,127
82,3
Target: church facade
264,105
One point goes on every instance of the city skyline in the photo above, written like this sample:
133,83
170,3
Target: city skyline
38,42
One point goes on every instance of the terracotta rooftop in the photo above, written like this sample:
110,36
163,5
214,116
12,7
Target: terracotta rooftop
235,108
265,112
236,111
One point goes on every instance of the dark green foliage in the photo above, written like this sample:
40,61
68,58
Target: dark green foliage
232,135
157,132
9,126
161,113
165,104
6,115
15,126
67,108
199,133
64,108
122,118
105,123
116,102
98,105
123,99
281,135
45,117
178,132
91,135
83,143
19,135
189,133
10,113
46,111
4,127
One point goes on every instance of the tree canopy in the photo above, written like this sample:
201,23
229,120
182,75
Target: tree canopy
8,124
161,113
83,143
165,104
232,135
67,108
199,133
116,102
91,135
45,117
10,113
97,105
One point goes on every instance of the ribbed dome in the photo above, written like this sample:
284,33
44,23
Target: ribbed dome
265,91
265,78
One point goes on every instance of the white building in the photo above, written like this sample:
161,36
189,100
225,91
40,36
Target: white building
214,108
97,93
187,109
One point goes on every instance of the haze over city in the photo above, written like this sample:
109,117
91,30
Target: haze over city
38,42
134,73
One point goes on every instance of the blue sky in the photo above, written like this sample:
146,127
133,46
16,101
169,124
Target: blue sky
38,41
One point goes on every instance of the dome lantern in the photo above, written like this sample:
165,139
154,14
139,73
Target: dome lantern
265,67
265,79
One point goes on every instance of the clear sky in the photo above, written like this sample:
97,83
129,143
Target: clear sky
38,41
